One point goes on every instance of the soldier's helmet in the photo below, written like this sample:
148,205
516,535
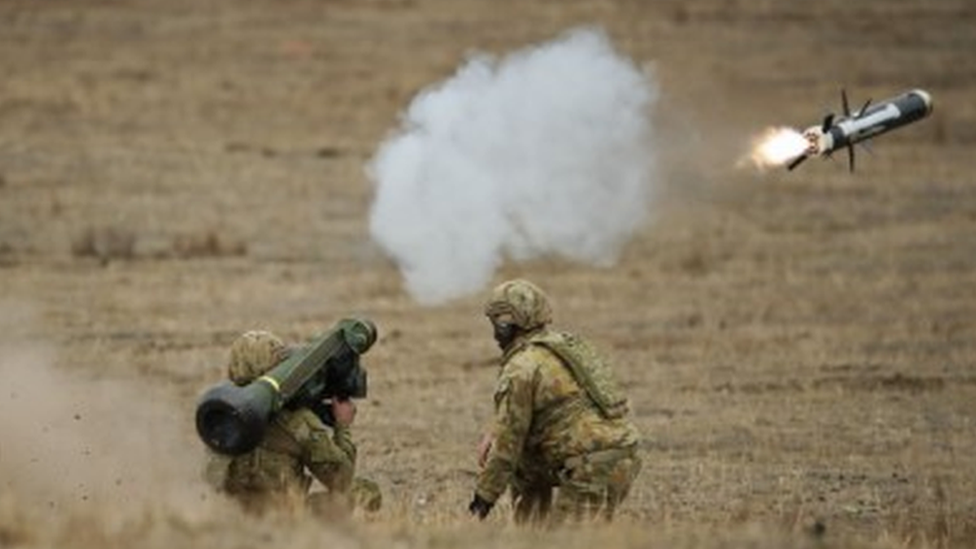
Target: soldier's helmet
253,354
519,302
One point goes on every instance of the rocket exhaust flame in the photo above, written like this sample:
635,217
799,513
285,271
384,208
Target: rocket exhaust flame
779,146
775,147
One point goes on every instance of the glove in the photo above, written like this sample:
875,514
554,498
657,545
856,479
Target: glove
480,507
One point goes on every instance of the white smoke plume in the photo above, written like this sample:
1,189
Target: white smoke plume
543,152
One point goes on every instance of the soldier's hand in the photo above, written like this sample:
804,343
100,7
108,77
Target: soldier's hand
344,412
480,507
484,447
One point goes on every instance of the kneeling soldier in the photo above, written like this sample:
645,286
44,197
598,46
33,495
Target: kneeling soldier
296,448
560,421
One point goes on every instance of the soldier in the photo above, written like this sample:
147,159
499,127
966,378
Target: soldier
274,474
560,421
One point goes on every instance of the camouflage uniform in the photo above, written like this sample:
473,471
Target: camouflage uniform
559,420
274,473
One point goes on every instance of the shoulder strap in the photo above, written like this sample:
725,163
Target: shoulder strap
588,368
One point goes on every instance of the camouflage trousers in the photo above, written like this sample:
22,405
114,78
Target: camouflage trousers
260,491
363,494
589,487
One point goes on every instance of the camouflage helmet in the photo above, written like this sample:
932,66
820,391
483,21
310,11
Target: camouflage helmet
254,353
521,303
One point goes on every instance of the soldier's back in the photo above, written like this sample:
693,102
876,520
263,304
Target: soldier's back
567,421
275,466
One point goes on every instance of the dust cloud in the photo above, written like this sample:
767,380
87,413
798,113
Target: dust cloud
113,451
544,152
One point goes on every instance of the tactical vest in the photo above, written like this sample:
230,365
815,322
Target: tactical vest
588,368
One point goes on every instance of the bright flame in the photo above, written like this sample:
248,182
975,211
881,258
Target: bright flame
775,147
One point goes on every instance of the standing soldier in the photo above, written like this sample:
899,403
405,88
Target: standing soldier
276,473
560,421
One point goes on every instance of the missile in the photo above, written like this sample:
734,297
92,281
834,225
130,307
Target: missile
868,122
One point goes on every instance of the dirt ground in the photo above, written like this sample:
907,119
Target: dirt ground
799,347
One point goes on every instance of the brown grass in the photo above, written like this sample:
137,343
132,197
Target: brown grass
798,346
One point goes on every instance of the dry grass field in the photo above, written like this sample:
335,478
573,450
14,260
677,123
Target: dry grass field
799,347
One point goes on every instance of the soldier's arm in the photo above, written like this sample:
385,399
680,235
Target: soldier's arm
513,415
331,459
342,438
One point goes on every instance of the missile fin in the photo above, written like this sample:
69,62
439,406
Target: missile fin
799,160
827,121
865,107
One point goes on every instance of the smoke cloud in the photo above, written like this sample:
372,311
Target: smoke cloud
545,152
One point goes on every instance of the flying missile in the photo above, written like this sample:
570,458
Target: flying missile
871,120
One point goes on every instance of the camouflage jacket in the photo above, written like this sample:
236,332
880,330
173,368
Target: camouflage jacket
296,440
543,416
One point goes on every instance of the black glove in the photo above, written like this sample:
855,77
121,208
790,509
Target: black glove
480,507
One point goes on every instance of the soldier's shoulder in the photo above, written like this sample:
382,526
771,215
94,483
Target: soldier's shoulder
530,356
529,362
556,339
557,342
